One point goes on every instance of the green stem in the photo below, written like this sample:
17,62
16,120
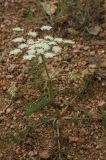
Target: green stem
50,89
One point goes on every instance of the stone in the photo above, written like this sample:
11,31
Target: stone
102,34
73,139
102,104
92,66
1,155
86,48
103,65
85,72
9,76
17,151
25,70
92,53
44,154
104,26
8,110
31,153
95,30
68,156
104,84
4,88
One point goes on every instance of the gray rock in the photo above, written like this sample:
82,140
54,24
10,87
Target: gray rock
25,70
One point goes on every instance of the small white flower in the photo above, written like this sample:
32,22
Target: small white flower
69,42
45,46
30,41
33,46
41,45
52,43
49,55
18,29
56,49
19,40
49,38
38,44
46,28
33,34
58,40
15,51
31,52
40,40
28,57
22,46
40,50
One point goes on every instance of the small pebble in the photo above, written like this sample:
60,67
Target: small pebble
92,53
31,153
44,154
8,110
4,88
26,70
9,76
1,155
92,66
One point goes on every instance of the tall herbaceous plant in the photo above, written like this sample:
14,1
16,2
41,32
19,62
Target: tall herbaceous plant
40,49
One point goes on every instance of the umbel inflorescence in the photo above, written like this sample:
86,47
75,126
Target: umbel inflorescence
34,46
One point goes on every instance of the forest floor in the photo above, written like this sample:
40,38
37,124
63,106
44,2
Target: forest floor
73,127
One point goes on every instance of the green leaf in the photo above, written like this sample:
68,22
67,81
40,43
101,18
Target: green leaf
13,90
33,107
73,75
104,122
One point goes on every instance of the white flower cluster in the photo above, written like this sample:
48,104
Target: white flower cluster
48,46
18,29
33,34
46,28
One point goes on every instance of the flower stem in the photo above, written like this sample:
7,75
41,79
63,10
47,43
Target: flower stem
50,88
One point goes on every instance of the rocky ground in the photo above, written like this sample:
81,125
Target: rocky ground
73,127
